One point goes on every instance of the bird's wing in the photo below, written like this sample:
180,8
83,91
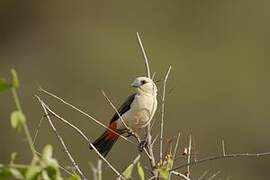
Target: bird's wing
124,107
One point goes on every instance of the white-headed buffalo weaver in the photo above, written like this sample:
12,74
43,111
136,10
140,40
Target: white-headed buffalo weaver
137,112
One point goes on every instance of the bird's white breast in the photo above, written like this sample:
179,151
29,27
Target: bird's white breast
141,111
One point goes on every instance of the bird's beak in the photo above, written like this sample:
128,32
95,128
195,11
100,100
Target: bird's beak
135,84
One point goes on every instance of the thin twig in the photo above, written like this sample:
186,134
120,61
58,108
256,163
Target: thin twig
162,114
80,132
153,76
176,146
189,155
203,175
180,175
144,55
37,131
149,136
227,156
94,171
116,111
84,113
214,175
62,141
25,126
223,148
175,151
99,169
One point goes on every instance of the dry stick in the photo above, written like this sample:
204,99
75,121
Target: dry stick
121,118
180,175
175,151
149,137
62,141
214,175
94,171
223,148
162,114
37,131
84,113
189,155
81,133
116,111
99,169
144,55
153,76
203,175
227,156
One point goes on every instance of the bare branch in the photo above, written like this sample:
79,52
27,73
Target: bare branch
189,155
94,171
116,111
37,131
162,114
62,141
46,109
175,151
203,175
214,175
99,169
144,55
180,175
84,113
223,148
227,156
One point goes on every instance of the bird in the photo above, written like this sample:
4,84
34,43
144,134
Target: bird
137,112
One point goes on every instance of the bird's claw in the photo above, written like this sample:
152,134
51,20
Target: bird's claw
142,145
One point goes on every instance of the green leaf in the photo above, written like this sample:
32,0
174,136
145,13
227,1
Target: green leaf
4,85
10,173
17,119
33,172
16,173
140,171
74,178
13,156
128,171
164,168
47,152
15,80
50,164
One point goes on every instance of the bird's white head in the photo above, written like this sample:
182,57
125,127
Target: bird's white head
145,85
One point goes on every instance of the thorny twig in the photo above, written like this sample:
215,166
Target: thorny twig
175,151
214,175
189,155
203,175
144,55
227,156
46,109
84,113
162,114
61,141
180,175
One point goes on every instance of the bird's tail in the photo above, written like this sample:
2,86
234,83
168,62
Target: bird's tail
105,142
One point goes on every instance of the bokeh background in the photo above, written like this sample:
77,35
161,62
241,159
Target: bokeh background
219,52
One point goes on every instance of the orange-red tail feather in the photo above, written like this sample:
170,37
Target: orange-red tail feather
105,142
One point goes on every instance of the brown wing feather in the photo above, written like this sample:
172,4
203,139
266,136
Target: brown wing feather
124,107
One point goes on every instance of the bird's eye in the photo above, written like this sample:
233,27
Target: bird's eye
143,82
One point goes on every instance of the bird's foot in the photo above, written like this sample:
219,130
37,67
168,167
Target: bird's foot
142,145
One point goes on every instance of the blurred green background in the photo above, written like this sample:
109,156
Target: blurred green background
219,52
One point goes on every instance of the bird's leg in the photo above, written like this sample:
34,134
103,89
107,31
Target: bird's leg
143,143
